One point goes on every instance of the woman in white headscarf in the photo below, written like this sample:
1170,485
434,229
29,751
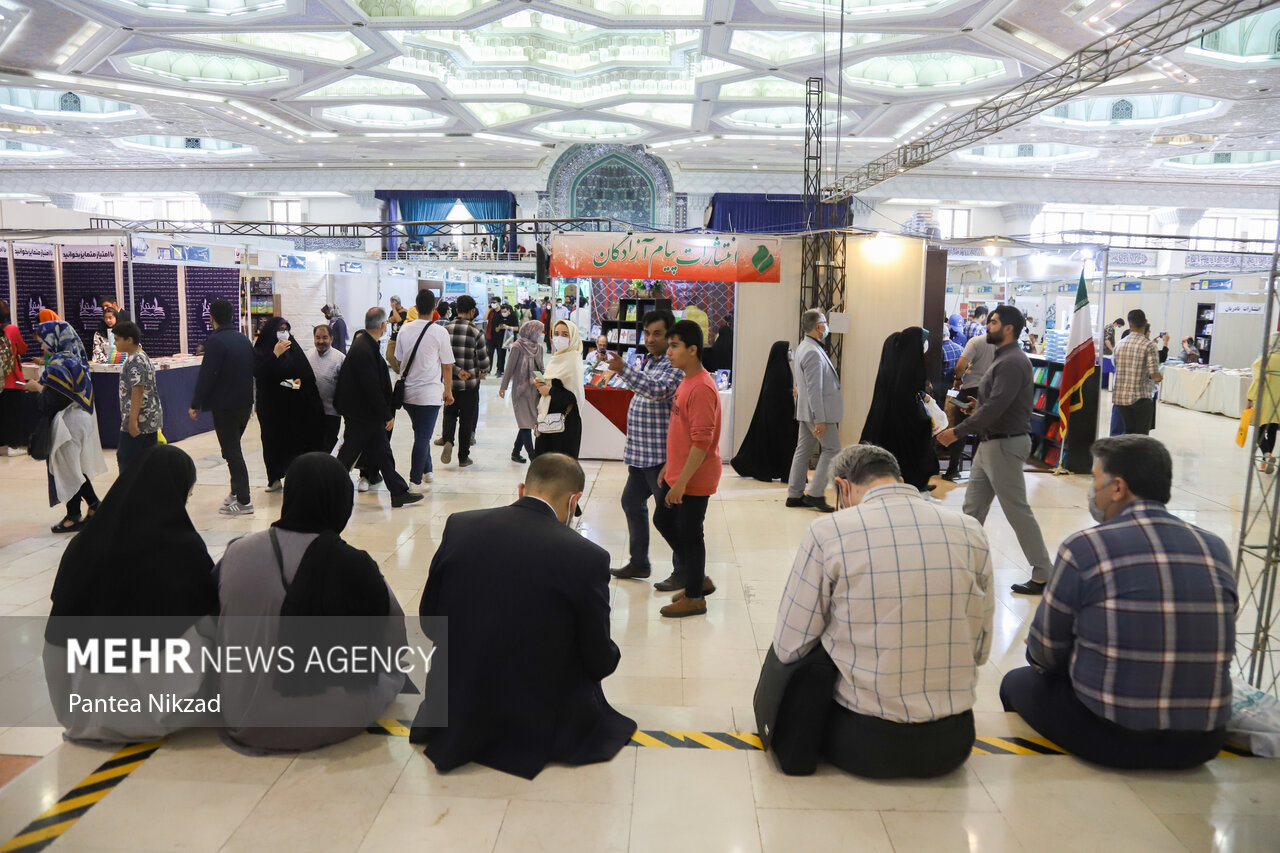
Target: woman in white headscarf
562,393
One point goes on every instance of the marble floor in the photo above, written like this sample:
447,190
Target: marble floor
376,793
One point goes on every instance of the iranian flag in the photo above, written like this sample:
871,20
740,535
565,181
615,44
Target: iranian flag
1081,355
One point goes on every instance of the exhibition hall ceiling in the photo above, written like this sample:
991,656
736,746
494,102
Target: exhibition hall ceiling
705,84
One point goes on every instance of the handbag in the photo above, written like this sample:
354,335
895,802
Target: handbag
936,415
1242,432
550,424
397,393
792,702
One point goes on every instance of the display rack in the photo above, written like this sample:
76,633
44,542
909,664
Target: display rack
261,301
1048,447
629,324
1205,312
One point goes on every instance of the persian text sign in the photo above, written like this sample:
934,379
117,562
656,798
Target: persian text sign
679,257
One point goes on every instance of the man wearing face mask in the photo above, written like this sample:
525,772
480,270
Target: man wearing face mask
819,409
862,583
1131,648
1003,421
516,682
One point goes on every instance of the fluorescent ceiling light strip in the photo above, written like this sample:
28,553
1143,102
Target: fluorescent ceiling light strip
494,137
77,41
87,83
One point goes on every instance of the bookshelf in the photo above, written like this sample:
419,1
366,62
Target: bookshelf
628,330
1047,445
1205,313
261,301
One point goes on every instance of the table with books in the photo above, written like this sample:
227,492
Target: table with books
1220,392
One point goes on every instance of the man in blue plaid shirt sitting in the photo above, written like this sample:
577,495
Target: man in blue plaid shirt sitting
1131,647
654,387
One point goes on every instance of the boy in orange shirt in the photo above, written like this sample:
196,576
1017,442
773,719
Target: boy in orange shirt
692,471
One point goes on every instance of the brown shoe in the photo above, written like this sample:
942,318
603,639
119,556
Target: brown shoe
685,607
707,588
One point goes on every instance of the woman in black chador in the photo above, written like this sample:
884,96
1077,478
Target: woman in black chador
766,451
290,414
898,421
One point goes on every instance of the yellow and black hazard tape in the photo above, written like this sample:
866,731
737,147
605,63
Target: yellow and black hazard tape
59,817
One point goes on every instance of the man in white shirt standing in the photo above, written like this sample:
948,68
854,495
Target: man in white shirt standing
426,366
581,317
898,591
561,310
325,363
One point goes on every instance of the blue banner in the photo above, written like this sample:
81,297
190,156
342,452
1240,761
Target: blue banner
293,262
351,267
1211,284
1126,286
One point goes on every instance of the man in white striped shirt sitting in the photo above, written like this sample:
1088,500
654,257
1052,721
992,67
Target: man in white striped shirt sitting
898,591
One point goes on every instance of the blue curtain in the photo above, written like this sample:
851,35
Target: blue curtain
759,213
434,206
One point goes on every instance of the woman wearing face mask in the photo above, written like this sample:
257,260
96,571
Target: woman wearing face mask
561,390
526,358
897,420
290,413
505,325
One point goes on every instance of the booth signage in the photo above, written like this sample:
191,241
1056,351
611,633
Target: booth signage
293,262
33,251
139,247
191,254
1240,307
679,257
95,254
396,272
351,267
1126,286
1211,284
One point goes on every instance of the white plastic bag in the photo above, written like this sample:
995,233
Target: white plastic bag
936,414
1255,720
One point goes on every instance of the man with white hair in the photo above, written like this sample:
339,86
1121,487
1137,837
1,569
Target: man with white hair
819,409
898,591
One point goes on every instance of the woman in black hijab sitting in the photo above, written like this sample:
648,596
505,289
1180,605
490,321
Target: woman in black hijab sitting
897,420
300,585
290,413
138,570
770,442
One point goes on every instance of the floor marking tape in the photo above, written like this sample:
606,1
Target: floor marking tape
59,817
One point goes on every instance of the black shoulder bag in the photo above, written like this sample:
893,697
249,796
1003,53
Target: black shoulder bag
397,393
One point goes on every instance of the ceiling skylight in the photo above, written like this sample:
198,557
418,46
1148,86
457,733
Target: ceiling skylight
359,86
1225,160
680,115
207,69
1253,40
52,103
780,48
435,10
589,130
234,9
183,145
861,10
13,148
1024,153
774,118
494,113
384,116
762,88
925,71
655,10
336,48
1132,111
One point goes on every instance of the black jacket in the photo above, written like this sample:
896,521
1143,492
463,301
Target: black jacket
523,643
363,394
226,374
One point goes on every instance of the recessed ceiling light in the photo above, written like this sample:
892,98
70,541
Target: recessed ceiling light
1251,82
391,164
461,165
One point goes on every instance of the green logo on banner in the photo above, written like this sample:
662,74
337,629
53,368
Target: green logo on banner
762,259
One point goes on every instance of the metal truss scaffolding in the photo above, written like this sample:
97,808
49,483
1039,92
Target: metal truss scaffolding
363,230
1166,27
1258,552
822,252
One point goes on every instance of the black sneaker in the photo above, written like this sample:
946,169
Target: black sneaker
516,457
1028,588
405,498
671,584
465,463
629,572
820,504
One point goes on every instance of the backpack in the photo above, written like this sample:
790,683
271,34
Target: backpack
8,360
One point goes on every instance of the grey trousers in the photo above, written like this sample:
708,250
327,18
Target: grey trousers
800,462
997,473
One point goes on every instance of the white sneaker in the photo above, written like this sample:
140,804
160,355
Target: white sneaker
275,486
419,488
16,451
428,477
363,485
237,508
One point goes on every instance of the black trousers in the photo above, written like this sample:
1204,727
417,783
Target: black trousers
1138,417
332,426
884,749
955,458
642,484
229,425
1267,437
1050,705
11,418
371,444
681,526
462,417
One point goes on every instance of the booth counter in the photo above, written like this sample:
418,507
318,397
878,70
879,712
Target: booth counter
604,423
1220,392
175,381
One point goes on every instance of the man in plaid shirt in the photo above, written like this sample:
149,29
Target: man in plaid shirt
978,324
470,361
654,388
1137,370
1131,647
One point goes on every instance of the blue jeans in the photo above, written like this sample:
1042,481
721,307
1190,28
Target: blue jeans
424,424
642,483
129,447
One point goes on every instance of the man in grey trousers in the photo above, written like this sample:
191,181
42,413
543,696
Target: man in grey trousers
819,409
1003,421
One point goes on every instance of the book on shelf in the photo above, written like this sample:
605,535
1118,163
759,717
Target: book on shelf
612,337
723,380
1039,374
1052,455
1055,381
595,330
637,361
628,336
1039,406
615,381
629,354
633,313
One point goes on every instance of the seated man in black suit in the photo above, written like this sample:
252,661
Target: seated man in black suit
522,635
